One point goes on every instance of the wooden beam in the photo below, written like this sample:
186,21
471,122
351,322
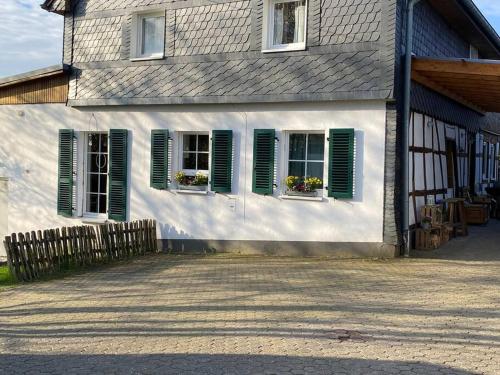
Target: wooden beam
424,193
454,76
489,68
417,77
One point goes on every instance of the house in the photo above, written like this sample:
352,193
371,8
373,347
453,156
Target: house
208,116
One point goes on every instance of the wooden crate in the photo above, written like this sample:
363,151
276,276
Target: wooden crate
435,212
446,231
428,239
477,214
481,199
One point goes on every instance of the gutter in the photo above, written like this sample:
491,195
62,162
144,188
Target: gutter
405,157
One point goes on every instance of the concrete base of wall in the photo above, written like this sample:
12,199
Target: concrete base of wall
279,248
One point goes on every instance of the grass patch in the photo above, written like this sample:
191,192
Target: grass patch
6,279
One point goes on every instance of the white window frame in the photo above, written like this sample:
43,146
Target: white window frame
192,172
136,40
286,154
84,159
473,52
268,29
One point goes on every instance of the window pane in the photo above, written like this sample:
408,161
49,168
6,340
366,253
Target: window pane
297,168
92,183
316,147
93,142
189,142
289,22
203,162
104,143
189,161
315,170
297,147
103,184
152,35
102,204
103,163
93,163
92,200
203,142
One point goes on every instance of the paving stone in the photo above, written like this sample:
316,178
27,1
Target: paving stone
248,315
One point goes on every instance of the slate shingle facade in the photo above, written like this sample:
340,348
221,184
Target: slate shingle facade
345,21
212,29
213,54
434,37
98,39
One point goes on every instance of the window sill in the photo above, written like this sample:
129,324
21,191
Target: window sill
284,49
299,198
191,192
94,220
148,58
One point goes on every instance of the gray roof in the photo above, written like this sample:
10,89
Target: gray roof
32,75
56,6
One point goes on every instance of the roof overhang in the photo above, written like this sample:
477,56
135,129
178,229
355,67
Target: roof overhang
471,24
34,75
56,6
473,83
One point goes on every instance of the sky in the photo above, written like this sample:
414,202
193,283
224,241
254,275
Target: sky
31,38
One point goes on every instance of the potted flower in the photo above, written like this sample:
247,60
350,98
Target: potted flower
299,186
426,223
198,182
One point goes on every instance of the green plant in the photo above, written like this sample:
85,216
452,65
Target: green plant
200,179
180,177
291,182
6,278
313,183
303,185
426,223
197,180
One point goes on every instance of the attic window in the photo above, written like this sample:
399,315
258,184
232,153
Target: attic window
285,28
149,40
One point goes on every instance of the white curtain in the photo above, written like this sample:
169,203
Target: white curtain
152,35
278,24
300,14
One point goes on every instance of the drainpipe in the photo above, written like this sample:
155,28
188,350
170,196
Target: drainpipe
410,4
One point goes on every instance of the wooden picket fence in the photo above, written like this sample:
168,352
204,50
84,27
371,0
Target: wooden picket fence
33,255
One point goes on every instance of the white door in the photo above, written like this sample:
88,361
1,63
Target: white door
4,191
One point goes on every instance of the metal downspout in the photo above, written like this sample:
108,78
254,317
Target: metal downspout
405,130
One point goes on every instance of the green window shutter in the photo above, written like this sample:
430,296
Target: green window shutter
118,174
159,159
222,158
341,163
263,161
65,173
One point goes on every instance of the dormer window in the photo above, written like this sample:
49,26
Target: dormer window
285,26
149,41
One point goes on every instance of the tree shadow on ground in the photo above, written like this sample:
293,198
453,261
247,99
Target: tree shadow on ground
213,364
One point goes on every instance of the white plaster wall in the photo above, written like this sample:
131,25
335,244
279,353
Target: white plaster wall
29,146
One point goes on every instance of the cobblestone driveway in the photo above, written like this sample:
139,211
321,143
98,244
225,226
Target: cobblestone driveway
238,315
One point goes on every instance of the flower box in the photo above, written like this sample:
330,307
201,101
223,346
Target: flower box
193,187
293,193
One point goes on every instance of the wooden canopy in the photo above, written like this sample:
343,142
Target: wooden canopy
473,83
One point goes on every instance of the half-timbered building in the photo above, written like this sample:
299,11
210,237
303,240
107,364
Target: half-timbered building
268,126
